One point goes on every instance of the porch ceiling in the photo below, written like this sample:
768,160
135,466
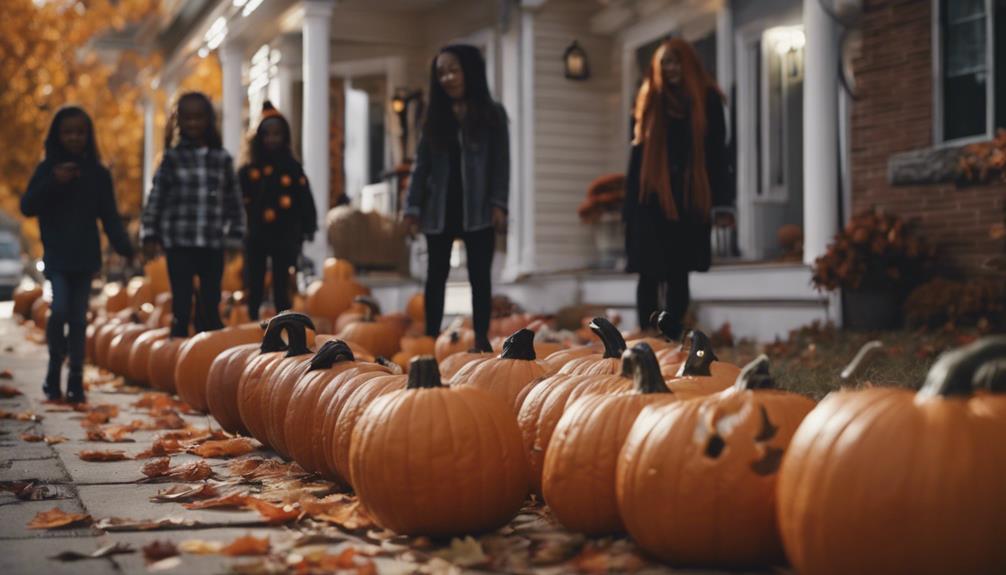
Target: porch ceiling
393,5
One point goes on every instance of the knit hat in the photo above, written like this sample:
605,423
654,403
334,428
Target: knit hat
270,111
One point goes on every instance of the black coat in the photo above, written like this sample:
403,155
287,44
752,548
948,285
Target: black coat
67,215
658,247
281,189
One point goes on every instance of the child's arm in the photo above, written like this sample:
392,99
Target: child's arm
159,191
415,197
109,214
308,212
40,189
234,214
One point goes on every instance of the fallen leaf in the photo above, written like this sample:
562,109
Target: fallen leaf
342,510
30,491
54,439
32,437
111,434
8,392
224,448
195,471
161,447
273,513
246,546
185,492
103,455
106,551
6,374
125,524
263,469
157,467
465,552
594,560
232,500
157,550
55,518
20,416
164,564
168,420
200,547
320,561
56,407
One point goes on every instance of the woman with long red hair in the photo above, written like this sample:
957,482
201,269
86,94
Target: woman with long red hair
677,173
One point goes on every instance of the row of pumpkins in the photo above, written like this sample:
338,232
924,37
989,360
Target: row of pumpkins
701,462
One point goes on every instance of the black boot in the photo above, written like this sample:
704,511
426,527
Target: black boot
51,387
75,387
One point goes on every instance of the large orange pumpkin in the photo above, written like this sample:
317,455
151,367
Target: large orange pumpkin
479,479
277,394
336,269
330,297
412,346
696,479
252,386
667,330
139,291
504,377
195,357
416,308
455,340
222,385
24,296
156,271
120,347
578,481
606,363
885,480
702,371
357,398
381,336
558,359
455,362
116,297
40,312
105,336
139,354
161,365
91,336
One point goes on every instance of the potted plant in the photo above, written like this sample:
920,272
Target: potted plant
876,260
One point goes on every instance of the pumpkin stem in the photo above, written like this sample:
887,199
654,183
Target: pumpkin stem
424,373
332,352
755,375
371,309
992,376
455,336
641,364
614,343
858,361
295,325
670,329
954,373
700,357
520,345
393,367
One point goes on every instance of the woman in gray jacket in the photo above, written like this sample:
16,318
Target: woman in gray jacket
460,182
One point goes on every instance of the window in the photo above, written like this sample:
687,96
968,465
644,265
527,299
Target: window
971,68
778,64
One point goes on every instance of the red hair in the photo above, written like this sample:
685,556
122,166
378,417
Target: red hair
651,129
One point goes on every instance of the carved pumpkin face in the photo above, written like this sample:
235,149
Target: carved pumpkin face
914,480
696,479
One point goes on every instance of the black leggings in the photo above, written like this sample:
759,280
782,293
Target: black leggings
183,265
282,256
479,248
70,292
672,290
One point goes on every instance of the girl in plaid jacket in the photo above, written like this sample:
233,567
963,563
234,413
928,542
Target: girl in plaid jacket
193,208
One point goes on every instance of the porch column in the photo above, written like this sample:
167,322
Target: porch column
725,56
231,54
315,124
148,147
289,47
820,131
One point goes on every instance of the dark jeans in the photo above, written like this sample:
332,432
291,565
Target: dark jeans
479,247
673,291
208,265
282,256
70,292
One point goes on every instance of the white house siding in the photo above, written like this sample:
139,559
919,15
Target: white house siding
573,126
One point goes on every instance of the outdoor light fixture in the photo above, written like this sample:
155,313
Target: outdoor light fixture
575,60
400,105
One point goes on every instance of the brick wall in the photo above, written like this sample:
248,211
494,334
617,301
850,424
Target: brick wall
894,114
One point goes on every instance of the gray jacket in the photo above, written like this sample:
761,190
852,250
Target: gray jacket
485,177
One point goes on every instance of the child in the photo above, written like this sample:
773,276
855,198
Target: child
279,207
69,190
193,206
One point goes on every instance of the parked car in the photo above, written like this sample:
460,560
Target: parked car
11,266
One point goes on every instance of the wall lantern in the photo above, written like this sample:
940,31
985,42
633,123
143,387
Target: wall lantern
575,60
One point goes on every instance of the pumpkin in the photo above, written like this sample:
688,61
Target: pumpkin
606,363
232,279
438,461
667,330
304,416
156,271
578,480
416,308
558,359
702,371
195,357
91,336
24,296
161,316
380,335
254,378
457,361
222,385
357,399
412,346
235,310
278,391
120,347
336,269
139,354
116,297
885,480
161,365
330,297
504,377
545,348
455,340
139,292
40,312
103,340
696,479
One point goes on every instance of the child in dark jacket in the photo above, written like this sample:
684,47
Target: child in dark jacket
279,207
68,192
193,206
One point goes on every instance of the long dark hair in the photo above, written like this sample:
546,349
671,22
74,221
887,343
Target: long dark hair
481,116
54,150
256,148
212,135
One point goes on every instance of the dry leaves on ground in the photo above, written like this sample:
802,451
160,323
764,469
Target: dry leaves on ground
258,469
465,552
161,447
224,448
273,513
200,547
48,439
339,509
320,561
56,518
160,469
158,550
102,455
179,493
106,551
6,374
230,500
126,524
31,491
7,392
247,545
111,434
20,416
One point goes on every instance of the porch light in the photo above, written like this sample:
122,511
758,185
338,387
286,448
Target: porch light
786,39
576,64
